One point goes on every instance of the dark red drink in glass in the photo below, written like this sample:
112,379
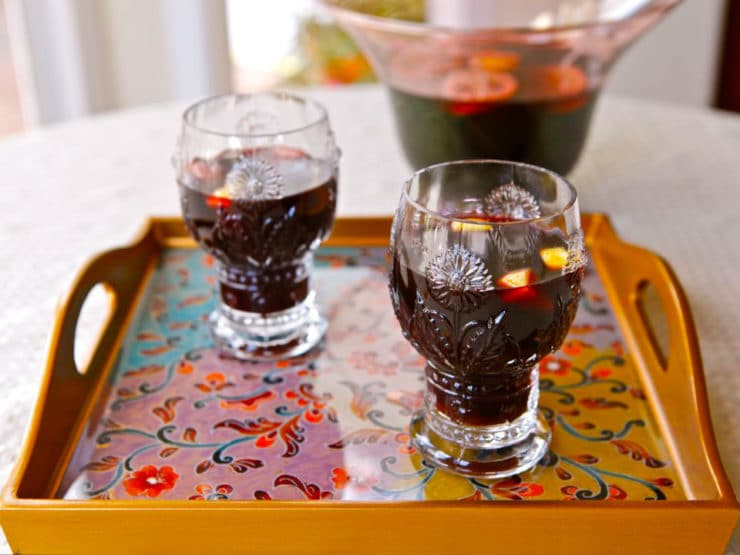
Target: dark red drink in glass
488,259
257,176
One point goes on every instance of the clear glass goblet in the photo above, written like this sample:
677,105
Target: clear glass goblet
488,258
257,176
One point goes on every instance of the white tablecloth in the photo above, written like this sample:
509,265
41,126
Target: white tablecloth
668,176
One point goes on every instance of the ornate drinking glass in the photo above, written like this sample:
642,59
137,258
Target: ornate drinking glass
257,179
488,258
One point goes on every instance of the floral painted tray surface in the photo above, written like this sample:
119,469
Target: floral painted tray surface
183,422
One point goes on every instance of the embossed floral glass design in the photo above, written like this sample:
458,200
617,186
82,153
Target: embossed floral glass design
488,258
257,180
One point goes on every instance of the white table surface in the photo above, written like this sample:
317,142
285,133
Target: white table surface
668,176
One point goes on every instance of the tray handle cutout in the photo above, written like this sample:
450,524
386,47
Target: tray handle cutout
672,370
69,390
92,322
113,271
658,314
655,321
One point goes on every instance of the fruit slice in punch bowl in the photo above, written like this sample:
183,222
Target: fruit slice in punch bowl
500,79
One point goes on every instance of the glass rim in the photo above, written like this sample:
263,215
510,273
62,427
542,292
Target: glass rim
188,113
389,24
492,162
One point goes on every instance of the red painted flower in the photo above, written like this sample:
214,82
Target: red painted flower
515,488
340,477
569,492
313,415
616,493
150,480
313,406
405,447
552,365
215,381
209,493
358,480
601,372
573,347
184,368
266,440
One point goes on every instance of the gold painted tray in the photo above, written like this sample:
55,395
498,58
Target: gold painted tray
162,445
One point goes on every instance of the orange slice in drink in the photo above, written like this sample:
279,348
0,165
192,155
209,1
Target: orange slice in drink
555,81
474,90
517,287
494,60
219,198
555,258
474,225
517,278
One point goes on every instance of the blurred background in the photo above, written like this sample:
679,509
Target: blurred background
64,59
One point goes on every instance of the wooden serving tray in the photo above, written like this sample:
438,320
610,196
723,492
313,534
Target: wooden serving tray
161,445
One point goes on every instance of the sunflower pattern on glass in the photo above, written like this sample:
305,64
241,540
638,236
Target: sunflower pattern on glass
458,279
253,179
510,202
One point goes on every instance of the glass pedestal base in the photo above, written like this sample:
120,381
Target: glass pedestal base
477,459
263,337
